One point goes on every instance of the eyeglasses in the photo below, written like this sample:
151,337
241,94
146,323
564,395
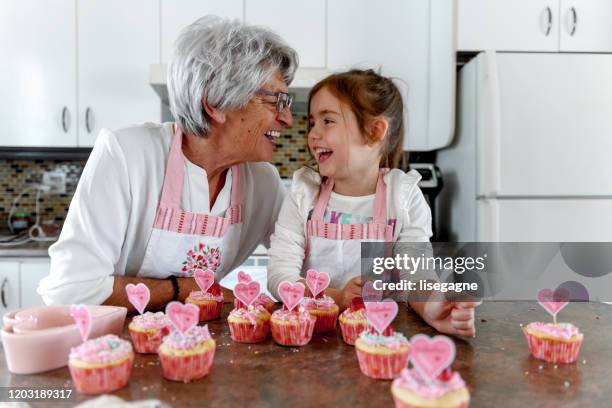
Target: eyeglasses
283,99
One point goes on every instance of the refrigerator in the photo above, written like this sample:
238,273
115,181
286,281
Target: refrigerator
531,160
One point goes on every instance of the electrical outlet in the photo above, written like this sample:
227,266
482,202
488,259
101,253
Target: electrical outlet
56,181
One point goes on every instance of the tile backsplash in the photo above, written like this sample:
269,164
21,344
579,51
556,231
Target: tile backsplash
16,175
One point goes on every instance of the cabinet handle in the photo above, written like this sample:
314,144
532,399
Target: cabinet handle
88,120
2,296
574,20
65,119
549,20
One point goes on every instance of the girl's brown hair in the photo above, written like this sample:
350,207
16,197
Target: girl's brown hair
369,95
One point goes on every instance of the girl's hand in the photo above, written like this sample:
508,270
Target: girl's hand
451,317
344,297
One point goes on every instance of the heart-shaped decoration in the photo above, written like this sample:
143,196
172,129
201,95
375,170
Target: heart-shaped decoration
244,277
381,314
369,294
430,355
204,279
82,318
138,295
317,281
183,317
247,293
553,302
291,293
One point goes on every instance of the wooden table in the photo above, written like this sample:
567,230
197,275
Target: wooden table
496,365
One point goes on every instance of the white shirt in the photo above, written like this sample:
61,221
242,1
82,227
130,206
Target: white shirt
112,212
406,207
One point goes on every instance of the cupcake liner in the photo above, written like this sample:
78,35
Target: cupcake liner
293,334
101,380
351,331
148,342
400,404
382,366
326,321
187,368
209,309
249,333
553,351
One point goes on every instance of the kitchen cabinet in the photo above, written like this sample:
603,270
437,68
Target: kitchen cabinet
38,75
508,25
31,272
51,98
410,41
178,14
117,41
9,286
302,24
585,25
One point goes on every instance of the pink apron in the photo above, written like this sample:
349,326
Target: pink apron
336,248
182,241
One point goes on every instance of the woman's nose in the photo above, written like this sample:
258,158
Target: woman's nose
285,117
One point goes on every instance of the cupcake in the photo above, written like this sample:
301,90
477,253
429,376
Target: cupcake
553,342
101,365
325,310
248,323
292,327
266,301
148,330
187,356
210,302
382,354
412,390
353,321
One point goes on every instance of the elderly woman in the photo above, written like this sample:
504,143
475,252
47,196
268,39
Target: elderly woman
156,199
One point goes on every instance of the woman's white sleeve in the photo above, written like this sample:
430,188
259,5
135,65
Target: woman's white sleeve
288,243
83,259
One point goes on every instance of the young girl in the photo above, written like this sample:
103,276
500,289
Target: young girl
356,133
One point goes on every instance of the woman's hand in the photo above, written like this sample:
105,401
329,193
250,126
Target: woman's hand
448,317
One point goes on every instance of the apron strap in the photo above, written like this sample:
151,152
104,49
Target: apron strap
321,204
380,201
174,176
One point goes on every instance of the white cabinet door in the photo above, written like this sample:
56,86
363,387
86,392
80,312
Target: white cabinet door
31,272
178,14
508,25
118,41
404,40
300,23
37,77
9,286
586,25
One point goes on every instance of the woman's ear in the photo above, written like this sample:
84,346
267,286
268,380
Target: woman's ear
214,113
378,128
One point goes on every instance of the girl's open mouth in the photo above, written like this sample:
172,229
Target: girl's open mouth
322,154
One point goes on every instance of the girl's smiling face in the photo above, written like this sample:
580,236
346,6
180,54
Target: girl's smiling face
336,141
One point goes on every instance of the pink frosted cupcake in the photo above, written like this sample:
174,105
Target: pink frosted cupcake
553,342
210,302
292,327
412,390
249,325
265,301
187,356
382,356
148,330
325,310
353,321
101,365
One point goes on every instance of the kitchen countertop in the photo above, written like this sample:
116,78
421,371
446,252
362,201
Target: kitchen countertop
496,365
28,249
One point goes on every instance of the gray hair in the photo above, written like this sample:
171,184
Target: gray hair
223,62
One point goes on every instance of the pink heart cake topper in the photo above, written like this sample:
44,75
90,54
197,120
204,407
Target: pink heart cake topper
553,302
369,294
182,316
291,293
82,318
431,355
317,281
244,277
204,279
247,292
381,314
138,295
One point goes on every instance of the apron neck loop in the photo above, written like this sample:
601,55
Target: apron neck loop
237,193
324,194
173,179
